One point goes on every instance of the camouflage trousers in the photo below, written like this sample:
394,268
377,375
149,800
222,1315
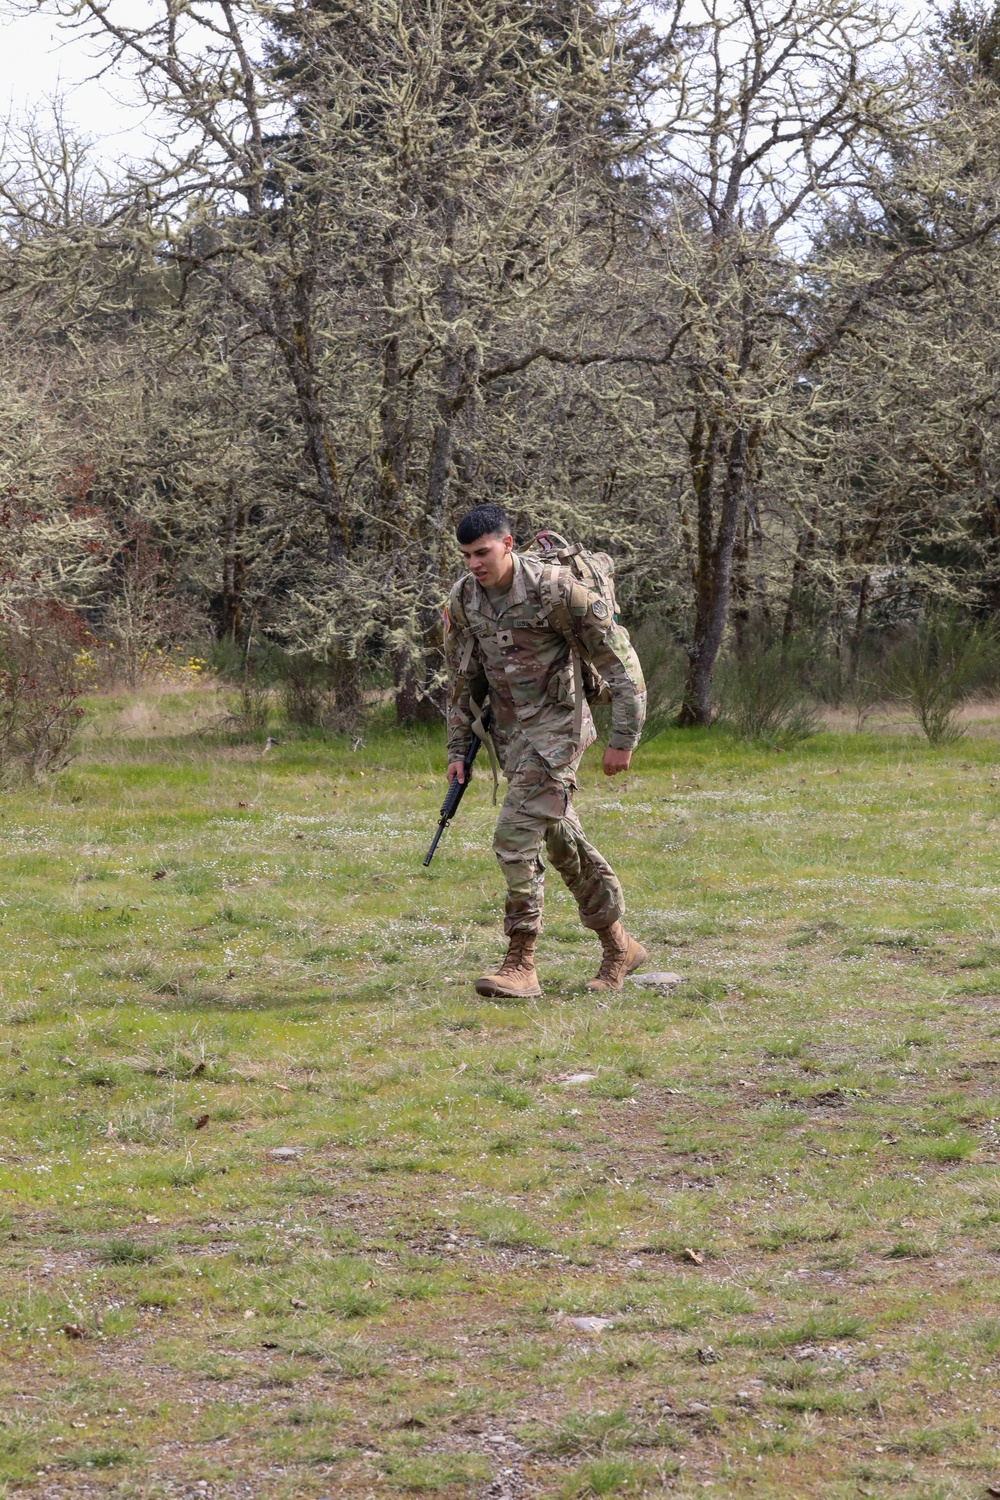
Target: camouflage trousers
538,810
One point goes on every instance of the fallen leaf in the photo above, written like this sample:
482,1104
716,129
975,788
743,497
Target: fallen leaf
695,1256
283,1087
297,1302
201,1122
68,1061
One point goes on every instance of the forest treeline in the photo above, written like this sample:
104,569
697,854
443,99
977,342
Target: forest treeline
710,286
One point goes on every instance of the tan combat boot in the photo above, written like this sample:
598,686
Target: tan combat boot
516,976
622,955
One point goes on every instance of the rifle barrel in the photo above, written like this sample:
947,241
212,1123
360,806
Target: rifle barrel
434,841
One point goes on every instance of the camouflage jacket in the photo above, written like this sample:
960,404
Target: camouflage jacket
525,664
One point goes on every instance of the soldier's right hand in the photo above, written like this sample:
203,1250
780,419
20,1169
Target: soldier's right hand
456,768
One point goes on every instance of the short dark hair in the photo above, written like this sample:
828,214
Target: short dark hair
482,520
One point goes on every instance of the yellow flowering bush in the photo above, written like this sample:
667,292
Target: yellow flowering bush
104,663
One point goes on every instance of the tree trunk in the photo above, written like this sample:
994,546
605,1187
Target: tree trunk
715,562
859,624
290,323
457,379
805,549
741,587
234,569
393,452
415,703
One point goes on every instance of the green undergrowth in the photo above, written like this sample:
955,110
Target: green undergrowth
288,1210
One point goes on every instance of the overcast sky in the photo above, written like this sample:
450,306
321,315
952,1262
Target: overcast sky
39,62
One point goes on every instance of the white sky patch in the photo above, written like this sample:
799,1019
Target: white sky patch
49,67
42,62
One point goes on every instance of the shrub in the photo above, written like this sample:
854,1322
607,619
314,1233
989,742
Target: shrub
762,695
938,667
665,667
41,683
320,694
146,620
315,693
852,679
250,709
309,691
252,672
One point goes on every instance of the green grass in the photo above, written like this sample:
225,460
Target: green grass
195,929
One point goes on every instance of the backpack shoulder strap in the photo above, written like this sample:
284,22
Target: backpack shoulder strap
457,603
458,616
557,582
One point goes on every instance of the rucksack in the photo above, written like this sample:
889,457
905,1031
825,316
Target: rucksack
596,571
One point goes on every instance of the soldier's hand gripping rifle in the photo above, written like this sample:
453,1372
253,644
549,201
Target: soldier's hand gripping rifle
456,791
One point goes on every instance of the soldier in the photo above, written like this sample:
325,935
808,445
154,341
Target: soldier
501,639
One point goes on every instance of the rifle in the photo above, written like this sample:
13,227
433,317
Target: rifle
456,791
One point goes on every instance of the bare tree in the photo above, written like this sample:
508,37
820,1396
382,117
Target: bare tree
403,202
671,292
781,111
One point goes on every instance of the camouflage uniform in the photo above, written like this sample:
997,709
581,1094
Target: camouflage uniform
525,663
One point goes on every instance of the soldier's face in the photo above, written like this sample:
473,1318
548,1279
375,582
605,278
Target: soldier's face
488,558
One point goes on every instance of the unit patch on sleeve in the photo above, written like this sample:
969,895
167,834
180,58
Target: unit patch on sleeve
600,609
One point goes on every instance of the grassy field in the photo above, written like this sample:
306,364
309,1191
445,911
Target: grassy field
288,1211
